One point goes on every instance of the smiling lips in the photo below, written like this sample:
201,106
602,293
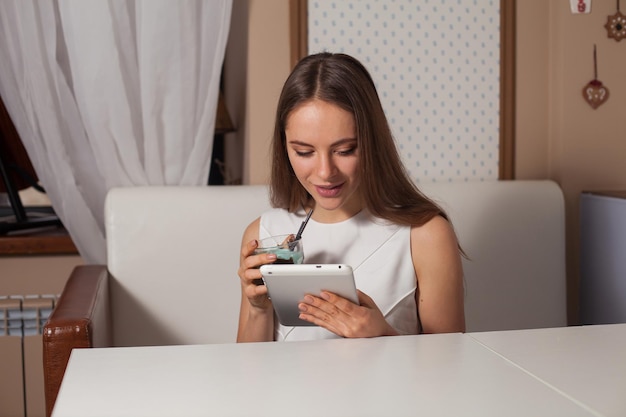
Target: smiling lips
329,192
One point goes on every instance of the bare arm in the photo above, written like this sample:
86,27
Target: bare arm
256,313
437,263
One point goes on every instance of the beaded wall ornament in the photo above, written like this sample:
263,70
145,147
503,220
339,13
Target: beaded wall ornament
594,92
616,25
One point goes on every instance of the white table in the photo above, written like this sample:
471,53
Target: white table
586,364
433,375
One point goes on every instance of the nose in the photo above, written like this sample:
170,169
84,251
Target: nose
326,168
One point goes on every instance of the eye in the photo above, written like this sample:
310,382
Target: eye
303,153
347,151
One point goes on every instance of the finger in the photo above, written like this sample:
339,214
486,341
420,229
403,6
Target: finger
289,238
322,309
246,251
341,303
250,274
255,261
250,287
248,248
246,272
330,326
259,290
365,300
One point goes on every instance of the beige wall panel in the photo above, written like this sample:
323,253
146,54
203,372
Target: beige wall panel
11,379
268,67
22,275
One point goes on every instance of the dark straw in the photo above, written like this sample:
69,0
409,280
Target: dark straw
302,226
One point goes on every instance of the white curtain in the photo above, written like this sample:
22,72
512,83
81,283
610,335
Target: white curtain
111,93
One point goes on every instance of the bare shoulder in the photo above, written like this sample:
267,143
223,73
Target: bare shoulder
436,231
434,246
251,232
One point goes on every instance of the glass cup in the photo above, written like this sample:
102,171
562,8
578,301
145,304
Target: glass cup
287,249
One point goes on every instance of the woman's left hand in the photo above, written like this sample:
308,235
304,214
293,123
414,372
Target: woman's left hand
343,317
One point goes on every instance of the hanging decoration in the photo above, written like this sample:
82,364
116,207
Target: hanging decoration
616,25
580,6
594,92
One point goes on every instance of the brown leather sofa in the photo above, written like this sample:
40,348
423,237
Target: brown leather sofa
82,319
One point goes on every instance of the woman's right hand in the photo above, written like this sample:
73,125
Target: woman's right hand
250,275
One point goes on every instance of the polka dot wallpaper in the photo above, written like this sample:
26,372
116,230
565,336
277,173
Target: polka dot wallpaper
436,66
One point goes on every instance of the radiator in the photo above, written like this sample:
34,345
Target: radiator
22,318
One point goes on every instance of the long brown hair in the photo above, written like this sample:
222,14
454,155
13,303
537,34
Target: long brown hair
342,80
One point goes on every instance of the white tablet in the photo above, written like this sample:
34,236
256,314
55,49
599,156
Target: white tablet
288,284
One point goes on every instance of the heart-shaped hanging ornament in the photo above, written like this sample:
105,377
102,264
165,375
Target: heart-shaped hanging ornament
594,92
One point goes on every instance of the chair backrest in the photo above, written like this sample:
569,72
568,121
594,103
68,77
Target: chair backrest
173,254
514,235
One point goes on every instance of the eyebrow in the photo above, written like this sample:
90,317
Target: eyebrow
337,143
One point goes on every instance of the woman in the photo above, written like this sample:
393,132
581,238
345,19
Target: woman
333,152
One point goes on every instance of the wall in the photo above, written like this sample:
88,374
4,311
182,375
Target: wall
532,86
559,136
22,275
257,58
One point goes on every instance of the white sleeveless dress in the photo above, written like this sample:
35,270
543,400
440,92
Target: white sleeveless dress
379,253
